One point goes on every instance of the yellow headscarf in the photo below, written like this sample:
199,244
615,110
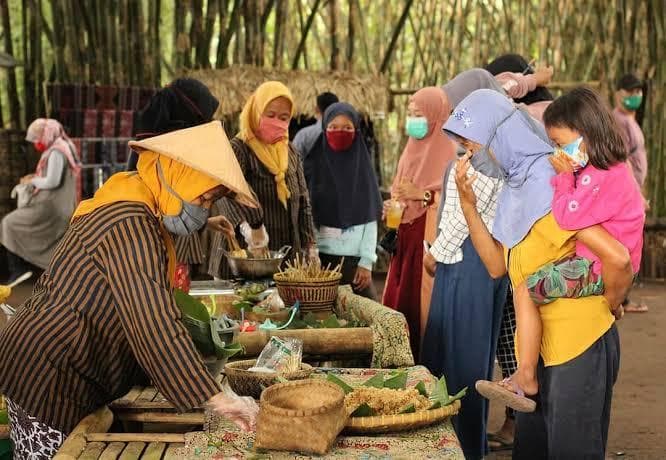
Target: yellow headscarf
274,156
144,186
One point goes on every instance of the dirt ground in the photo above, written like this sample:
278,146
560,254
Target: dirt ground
638,425
638,420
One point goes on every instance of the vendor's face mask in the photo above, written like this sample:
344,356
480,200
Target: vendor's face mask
417,127
632,102
191,218
271,130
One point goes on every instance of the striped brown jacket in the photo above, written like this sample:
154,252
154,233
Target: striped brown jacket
291,225
101,318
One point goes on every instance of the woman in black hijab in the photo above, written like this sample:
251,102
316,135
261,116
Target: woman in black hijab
346,202
184,103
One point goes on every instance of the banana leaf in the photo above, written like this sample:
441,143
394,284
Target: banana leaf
363,411
421,388
440,394
341,383
191,307
409,409
376,381
397,382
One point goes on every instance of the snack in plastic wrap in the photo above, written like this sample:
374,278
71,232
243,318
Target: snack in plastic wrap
280,355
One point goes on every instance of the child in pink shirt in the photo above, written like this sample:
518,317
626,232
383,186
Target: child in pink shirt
593,186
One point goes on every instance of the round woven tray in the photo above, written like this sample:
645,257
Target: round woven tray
250,383
401,422
312,295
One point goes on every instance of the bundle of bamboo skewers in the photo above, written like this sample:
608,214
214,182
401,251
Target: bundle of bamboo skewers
301,270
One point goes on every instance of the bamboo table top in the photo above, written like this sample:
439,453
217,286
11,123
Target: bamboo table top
147,405
127,450
90,440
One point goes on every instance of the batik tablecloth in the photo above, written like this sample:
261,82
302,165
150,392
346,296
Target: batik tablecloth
224,440
390,334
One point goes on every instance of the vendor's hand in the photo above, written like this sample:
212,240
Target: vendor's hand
242,411
562,163
312,254
464,183
362,279
408,191
429,263
543,75
256,239
221,224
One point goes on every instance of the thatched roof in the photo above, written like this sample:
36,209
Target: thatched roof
369,94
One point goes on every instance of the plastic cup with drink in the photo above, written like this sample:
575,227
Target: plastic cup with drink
394,213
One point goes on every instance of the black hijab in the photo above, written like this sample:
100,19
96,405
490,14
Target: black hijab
183,103
517,64
343,186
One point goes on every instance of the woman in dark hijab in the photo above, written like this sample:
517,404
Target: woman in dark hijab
346,202
184,103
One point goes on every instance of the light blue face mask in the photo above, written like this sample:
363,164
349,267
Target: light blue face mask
191,218
573,151
416,127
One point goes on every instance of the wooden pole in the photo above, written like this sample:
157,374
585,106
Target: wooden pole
349,341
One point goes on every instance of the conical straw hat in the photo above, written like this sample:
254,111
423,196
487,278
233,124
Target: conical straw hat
206,149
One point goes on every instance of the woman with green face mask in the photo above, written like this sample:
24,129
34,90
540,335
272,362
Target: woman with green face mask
416,185
629,100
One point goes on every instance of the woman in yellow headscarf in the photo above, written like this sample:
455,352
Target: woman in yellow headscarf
274,170
103,317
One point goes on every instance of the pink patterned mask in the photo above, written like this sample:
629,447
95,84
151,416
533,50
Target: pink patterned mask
271,130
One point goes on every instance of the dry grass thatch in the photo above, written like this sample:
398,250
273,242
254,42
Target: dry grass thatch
369,94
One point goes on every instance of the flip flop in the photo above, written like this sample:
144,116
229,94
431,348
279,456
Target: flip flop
632,307
498,443
515,399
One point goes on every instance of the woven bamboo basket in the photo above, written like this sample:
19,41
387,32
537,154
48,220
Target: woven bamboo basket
250,383
400,422
314,296
304,416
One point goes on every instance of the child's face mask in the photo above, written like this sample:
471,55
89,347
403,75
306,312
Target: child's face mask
574,152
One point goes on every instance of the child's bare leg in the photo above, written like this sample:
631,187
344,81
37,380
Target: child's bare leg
528,323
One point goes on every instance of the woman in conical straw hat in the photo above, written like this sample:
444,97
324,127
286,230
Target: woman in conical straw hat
103,317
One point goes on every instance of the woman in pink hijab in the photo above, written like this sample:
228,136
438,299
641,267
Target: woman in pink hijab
31,233
417,183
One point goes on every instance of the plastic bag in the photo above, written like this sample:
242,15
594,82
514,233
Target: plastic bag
280,355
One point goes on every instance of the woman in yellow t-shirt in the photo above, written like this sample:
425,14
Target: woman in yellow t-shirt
580,344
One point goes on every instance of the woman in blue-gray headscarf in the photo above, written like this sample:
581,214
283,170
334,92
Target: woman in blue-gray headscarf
580,346
467,303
